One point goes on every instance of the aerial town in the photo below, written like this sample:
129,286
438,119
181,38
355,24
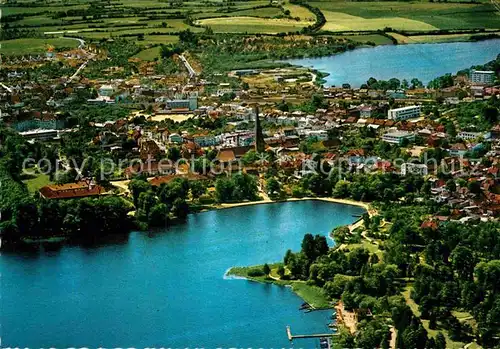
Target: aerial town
156,117
202,174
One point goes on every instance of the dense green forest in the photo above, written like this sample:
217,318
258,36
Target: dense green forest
27,216
447,270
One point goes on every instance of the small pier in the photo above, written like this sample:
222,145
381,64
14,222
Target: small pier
302,336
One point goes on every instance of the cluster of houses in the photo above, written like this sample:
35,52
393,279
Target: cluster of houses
31,109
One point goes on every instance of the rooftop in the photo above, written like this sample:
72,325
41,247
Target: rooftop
71,190
406,108
398,134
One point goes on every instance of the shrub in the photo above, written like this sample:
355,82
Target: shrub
255,272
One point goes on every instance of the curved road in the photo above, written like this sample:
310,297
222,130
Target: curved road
81,41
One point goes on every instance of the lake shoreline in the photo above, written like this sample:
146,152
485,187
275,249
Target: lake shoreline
303,291
427,59
66,239
365,205
311,295
183,267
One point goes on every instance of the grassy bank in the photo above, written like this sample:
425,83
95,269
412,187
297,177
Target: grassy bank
312,295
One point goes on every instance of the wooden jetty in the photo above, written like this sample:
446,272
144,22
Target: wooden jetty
299,336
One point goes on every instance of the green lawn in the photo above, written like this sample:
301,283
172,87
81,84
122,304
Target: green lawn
35,182
160,39
267,12
372,248
313,295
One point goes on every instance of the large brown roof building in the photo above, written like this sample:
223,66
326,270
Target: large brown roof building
71,191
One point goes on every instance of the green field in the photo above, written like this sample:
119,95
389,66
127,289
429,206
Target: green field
35,46
301,12
252,25
103,19
338,21
149,54
421,15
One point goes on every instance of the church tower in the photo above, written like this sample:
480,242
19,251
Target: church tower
259,138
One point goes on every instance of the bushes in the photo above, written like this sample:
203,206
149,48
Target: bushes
320,17
239,187
256,272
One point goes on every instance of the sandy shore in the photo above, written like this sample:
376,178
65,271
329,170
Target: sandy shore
365,205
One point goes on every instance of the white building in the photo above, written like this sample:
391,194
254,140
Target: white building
40,134
106,90
469,135
482,76
416,169
396,137
404,113
320,135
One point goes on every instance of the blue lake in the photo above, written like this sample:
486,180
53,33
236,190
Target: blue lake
422,61
167,289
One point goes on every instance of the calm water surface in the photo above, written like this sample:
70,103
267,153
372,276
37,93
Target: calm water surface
168,289
422,61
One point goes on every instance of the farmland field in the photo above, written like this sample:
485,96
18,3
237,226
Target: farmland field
337,21
420,39
252,25
34,46
149,54
441,15
266,12
301,12
152,22
377,39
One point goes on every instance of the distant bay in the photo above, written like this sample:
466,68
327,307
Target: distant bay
167,288
422,61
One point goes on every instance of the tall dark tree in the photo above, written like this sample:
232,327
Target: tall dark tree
259,137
